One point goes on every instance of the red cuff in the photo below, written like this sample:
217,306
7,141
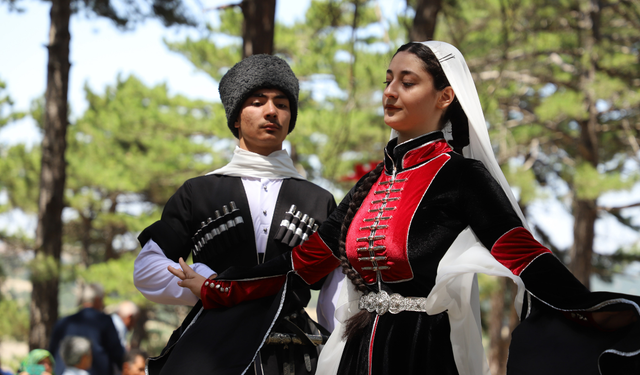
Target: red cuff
313,260
216,293
516,249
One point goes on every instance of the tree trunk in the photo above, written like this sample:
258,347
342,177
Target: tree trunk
584,213
87,227
139,331
498,331
424,23
44,297
585,210
258,27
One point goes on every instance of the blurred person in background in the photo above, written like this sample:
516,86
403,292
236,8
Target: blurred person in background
124,319
134,362
38,362
3,371
76,354
92,323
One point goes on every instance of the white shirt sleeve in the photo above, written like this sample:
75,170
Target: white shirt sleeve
328,299
156,283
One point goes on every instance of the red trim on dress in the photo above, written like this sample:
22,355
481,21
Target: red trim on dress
313,260
231,293
373,335
397,216
516,249
425,152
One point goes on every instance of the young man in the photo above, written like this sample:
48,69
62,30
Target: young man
235,218
134,362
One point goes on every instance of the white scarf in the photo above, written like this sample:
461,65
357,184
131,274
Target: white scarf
456,290
277,165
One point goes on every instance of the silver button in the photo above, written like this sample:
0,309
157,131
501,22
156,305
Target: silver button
264,212
265,230
264,187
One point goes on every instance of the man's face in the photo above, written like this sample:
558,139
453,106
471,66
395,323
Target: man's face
135,368
263,123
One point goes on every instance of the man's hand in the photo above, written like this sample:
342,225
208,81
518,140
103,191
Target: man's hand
188,277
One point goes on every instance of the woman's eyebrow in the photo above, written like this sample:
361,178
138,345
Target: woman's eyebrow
402,72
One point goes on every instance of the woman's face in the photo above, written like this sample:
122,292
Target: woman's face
412,105
48,366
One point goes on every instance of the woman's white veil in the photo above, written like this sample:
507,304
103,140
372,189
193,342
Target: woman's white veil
456,290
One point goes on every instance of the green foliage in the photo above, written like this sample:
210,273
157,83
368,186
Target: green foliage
206,56
538,82
14,320
44,267
525,181
561,104
339,129
127,154
20,177
588,183
116,276
6,113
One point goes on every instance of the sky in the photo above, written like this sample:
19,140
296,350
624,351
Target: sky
100,52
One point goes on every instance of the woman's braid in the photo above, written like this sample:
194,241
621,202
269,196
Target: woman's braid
356,201
360,320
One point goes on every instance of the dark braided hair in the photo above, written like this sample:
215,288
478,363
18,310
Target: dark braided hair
356,323
454,113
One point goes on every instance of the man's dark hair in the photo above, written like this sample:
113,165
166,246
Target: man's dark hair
131,355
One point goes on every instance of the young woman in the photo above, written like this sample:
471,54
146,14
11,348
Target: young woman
411,236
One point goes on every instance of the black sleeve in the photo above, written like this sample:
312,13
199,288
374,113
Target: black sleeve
491,216
484,204
171,232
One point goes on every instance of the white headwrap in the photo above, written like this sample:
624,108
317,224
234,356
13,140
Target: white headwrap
245,163
456,290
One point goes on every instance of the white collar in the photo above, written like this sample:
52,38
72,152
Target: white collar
277,165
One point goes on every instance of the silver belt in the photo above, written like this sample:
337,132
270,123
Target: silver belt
382,302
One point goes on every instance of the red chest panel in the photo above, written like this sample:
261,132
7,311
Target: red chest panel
378,236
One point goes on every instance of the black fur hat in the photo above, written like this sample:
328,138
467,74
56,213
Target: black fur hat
254,73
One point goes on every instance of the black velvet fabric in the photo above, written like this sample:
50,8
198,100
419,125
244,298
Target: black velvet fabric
225,340
463,193
198,198
217,342
407,343
549,343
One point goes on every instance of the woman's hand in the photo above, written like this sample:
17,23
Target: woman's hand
188,277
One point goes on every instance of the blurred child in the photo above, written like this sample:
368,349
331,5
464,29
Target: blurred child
38,362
